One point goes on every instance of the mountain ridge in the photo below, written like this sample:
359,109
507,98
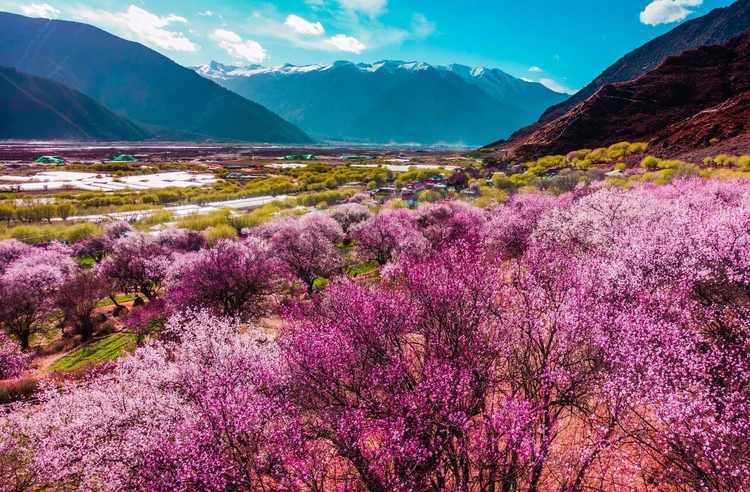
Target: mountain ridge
716,27
34,107
687,103
337,100
137,82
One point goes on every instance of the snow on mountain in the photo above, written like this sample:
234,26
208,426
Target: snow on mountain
391,100
219,71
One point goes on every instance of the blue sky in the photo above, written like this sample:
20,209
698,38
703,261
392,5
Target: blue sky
562,43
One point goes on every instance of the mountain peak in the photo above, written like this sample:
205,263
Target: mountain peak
390,100
217,70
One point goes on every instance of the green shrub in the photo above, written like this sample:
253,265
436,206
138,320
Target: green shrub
158,217
650,162
429,196
583,164
725,160
637,148
30,234
79,232
7,212
489,196
222,231
599,155
618,150
204,221
396,203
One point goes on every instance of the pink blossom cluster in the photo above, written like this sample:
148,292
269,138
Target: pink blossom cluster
12,360
30,279
595,340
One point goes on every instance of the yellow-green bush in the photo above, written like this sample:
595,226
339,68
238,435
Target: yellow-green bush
79,232
650,162
221,231
637,148
42,233
158,217
204,221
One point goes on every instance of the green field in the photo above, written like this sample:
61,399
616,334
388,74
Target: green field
105,349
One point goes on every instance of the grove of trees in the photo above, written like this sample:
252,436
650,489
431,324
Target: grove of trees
597,340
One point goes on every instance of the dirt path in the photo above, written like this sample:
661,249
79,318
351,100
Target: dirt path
40,366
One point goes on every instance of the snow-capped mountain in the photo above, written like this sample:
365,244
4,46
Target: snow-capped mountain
390,100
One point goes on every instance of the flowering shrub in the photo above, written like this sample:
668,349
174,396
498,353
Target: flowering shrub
137,263
181,239
349,215
182,415
596,340
389,234
28,289
305,246
231,279
12,360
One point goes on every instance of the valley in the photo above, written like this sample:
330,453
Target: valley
448,247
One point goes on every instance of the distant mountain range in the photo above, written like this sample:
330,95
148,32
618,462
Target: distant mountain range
681,104
166,99
36,108
391,101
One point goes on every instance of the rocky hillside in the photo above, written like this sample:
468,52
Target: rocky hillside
716,27
689,102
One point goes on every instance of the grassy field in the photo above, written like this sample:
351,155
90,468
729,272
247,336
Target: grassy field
363,269
105,349
121,298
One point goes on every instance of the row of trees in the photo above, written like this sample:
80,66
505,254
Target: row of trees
597,340
35,212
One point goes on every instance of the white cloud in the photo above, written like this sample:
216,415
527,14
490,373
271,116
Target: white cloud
556,86
421,26
535,69
43,10
303,26
372,8
347,43
207,13
268,25
141,25
666,11
350,33
238,48
551,84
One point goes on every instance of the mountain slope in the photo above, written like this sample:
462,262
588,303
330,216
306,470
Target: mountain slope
391,101
717,27
36,108
682,105
136,82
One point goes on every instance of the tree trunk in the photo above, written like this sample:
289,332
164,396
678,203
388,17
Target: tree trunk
23,338
86,328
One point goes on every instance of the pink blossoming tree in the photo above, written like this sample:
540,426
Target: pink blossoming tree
28,288
234,278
